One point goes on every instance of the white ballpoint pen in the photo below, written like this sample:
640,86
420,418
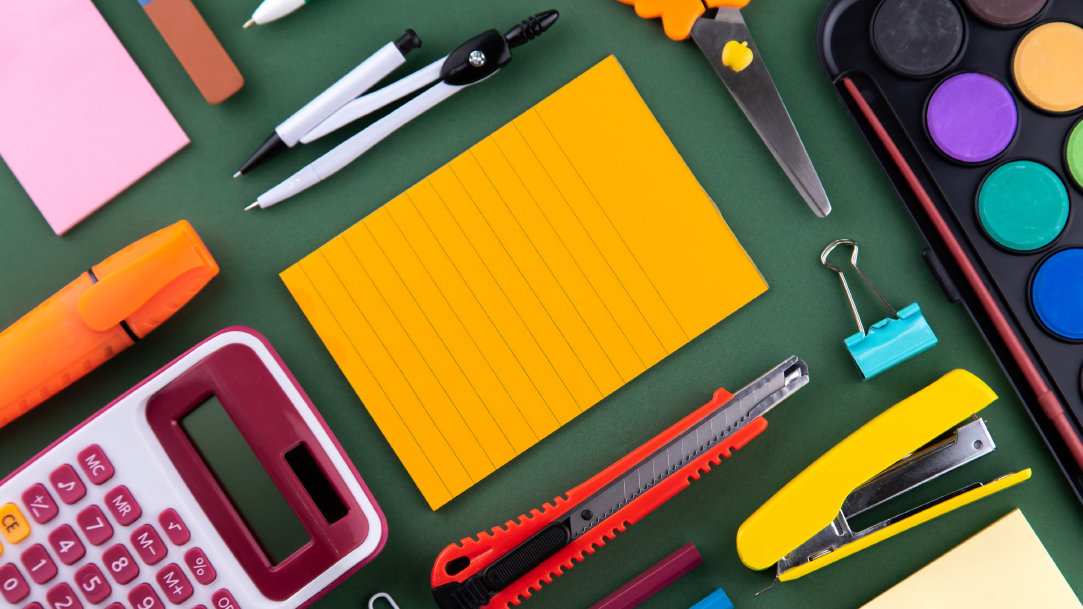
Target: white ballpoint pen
270,10
358,80
471,63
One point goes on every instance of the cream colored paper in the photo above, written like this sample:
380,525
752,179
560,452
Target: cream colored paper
1003,567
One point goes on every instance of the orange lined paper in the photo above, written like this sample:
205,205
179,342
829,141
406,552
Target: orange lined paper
523,282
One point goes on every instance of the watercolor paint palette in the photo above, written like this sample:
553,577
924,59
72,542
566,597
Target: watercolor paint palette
975,110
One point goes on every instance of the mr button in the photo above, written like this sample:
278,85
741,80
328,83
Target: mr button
12,524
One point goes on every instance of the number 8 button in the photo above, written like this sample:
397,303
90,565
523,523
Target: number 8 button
118,561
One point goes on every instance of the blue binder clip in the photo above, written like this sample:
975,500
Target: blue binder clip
889,341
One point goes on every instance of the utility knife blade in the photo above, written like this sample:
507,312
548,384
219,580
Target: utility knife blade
508,564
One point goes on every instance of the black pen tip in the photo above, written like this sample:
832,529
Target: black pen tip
272,146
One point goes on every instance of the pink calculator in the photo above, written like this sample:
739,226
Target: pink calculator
213,484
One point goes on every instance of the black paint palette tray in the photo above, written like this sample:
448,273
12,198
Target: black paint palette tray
974,109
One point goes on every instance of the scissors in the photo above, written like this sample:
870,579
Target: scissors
725,41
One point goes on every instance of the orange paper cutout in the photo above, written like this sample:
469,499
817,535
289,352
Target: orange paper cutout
678,16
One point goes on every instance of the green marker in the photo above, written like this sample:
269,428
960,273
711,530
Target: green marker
269,10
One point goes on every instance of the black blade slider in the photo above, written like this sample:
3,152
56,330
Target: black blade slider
481,587
482,56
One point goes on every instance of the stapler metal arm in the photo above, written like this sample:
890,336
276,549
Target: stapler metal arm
804,526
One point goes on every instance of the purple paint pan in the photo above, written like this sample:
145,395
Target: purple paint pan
971,117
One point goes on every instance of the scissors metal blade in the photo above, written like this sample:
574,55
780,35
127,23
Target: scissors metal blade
759,99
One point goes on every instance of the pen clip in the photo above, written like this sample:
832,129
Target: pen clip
132,277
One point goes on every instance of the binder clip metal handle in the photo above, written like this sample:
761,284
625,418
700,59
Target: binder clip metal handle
888,342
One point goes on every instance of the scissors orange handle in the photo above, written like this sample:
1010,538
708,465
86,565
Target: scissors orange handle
678,16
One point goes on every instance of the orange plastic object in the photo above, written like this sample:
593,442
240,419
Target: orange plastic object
678,16
488,547
100,314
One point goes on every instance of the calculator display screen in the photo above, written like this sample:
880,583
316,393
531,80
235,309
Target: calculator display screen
245,481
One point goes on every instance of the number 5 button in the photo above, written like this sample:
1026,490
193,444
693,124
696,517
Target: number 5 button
92,583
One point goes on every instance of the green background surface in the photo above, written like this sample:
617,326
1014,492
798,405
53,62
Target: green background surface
804,312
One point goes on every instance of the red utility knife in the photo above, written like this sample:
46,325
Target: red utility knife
506,565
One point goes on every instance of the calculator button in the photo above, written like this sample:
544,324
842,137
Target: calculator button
120,564
12,585
12,524
95,465
92,584
143,597
148,544
122,505
94,525
174,527
224,600
33,606
66,544
115,606
40,503
174,584
61,596
38,564
199,566
67,484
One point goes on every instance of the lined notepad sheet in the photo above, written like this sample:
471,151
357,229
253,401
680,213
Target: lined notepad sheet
1003,567
523,282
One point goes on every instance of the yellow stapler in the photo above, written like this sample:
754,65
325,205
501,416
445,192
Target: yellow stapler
804,526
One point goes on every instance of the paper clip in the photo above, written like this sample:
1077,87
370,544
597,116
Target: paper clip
889,341
385,596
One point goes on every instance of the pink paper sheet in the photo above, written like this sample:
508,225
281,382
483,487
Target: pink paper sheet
79,122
